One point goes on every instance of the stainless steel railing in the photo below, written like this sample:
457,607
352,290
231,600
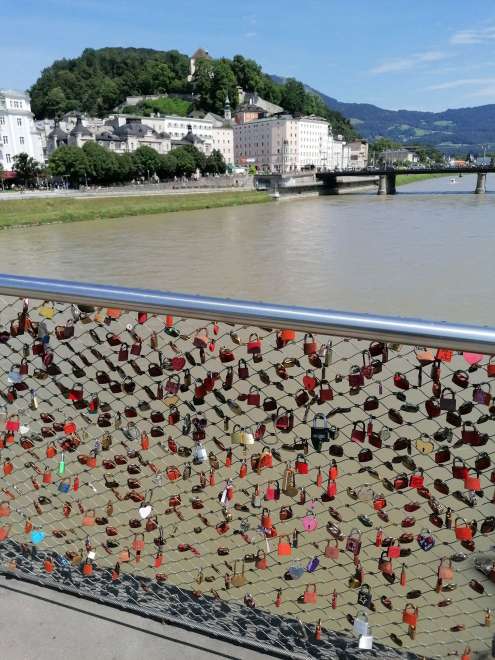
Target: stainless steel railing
304,319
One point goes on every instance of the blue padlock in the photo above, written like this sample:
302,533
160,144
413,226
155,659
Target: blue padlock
64,486
425,540
313,565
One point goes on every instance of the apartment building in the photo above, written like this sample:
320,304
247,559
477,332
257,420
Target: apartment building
18,133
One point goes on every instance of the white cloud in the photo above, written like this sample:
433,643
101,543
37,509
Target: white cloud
250,35
473,36
411,62
463,82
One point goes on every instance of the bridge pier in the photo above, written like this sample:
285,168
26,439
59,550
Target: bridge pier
481,183
382,184
386,184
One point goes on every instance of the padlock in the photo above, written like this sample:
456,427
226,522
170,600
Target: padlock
361,624
358,433
353,543
266,519
472,482
319,431
309,345
301,464
445,570
310,522
417,480
332,551
463,532
364,596
410,615
393,550
310,595
425,540
384,564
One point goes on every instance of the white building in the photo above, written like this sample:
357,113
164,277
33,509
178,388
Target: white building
400,155
283,143
18,133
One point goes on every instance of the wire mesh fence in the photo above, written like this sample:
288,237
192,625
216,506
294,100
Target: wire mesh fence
309,494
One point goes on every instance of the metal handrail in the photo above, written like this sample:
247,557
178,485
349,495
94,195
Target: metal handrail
343,324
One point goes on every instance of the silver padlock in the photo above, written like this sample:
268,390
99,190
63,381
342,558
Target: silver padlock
361,624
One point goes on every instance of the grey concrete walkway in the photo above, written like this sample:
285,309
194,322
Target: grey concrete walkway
42,624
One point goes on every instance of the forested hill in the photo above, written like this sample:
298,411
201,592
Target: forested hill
454,130
99,80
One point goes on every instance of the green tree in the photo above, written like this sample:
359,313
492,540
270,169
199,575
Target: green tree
168,166
55,102
248,73
293,96
156,78
215,163
198,156
185,162
70,162
214,81
102,163
25,167
146,161
124,167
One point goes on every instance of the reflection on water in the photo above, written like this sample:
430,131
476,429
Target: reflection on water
428,255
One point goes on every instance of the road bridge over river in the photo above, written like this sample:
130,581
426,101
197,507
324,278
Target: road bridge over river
387,176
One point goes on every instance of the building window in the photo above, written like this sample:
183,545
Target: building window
7,158
2,120
5,139
19,121
21,140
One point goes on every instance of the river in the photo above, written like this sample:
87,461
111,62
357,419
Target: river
426,252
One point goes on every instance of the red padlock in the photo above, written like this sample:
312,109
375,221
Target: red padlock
266,519
472,482
393,550
417,480
463,532
301,465
410,615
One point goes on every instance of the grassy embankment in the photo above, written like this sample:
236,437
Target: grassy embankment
403,179
26,212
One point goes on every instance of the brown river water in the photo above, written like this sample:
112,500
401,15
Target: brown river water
426,252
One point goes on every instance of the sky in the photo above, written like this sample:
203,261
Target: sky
412,54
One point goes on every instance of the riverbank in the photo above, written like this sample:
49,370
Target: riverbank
403,179
33,212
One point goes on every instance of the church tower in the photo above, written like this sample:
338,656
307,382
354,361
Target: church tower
227,112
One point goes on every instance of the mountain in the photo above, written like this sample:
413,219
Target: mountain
453,130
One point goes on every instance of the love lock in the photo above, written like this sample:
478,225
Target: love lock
425,540
364,596
361,625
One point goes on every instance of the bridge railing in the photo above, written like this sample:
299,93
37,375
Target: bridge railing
251,470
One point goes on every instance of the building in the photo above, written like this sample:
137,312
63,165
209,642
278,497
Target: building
200,54
399,155
358,154
283,143
18,132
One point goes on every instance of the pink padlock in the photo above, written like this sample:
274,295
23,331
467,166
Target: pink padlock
310,522
332,551
270,492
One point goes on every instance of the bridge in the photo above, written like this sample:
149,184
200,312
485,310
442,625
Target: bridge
387,176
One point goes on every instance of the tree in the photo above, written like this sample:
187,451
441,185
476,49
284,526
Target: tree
185,162
146,161
168,166
215,163
25,167
124,167
70,162
55,102
102,163
155,78
199,157
248,73
293,96
214,81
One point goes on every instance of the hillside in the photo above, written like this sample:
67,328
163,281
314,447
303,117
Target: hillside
99,80
460,129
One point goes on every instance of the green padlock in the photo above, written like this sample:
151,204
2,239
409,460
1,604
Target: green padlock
61,466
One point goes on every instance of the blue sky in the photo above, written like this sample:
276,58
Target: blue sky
414,54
